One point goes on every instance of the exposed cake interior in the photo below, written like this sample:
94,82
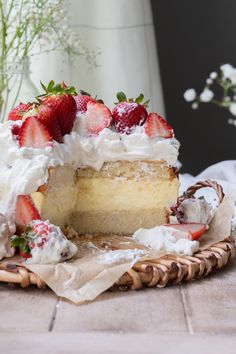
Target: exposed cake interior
120,198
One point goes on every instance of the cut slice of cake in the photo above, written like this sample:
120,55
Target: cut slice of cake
119,199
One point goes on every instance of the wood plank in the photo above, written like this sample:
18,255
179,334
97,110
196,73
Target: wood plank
210,303
28,309
111,343
153,310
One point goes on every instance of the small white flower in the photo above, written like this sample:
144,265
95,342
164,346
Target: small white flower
206,95
232,109
226,70
190,95
195,105
213,75
232,76
227,99
209,81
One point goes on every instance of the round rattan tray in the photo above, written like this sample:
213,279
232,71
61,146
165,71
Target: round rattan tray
169,269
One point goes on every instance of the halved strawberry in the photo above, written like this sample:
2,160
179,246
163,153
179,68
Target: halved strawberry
82,102
194,230
26,211
48,117
34,134
17,112
156,125
97,117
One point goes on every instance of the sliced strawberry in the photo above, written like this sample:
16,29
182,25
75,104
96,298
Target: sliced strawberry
82,102
48,117
25,210
194,230
97,117
34,134
17,112
25,255
156,125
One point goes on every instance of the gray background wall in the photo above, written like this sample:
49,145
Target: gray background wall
194,37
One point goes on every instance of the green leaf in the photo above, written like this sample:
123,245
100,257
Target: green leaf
43,86
146,103
139,98
100,101
50,86
121,96
16,241
24,248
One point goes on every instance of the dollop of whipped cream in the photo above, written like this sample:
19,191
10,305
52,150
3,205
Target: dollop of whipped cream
166,240
25,169
55,247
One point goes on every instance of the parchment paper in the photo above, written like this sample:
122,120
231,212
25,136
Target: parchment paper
102,260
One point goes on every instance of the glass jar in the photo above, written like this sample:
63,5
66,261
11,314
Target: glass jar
15,87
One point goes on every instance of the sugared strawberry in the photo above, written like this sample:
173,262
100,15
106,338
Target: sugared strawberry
194,230
25,210
17,112
155,125
34,134
59,98
82,102
97,117
129,113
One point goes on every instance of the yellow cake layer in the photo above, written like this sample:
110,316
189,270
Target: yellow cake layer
119,199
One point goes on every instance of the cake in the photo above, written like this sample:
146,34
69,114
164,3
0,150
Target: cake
84,166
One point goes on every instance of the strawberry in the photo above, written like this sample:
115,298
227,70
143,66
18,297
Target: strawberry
82,102
17,112
97,117
48,117
15,130
156,125
25,210
128,113
194,230
59,98
34,134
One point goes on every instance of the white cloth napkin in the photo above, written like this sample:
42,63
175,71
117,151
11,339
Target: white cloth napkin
223,172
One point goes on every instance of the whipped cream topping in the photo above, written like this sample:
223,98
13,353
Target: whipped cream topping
166,240
24,169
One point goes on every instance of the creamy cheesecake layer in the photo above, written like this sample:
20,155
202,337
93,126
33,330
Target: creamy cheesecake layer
119,199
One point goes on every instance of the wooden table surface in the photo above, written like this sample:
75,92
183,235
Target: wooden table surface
198,317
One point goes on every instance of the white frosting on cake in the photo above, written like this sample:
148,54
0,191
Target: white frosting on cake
166,240
23,170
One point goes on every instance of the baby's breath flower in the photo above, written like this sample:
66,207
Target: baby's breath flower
195,105
190,95
209,81
213,75
206,95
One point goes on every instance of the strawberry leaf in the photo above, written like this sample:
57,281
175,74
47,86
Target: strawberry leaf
16,241
139,98
43,86
50,86
121,96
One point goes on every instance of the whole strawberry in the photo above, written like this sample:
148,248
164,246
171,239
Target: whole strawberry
129,113
60,99
17,112
82,100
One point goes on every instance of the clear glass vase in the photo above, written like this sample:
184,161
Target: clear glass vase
15,87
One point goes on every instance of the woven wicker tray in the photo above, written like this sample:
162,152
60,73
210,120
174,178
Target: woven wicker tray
163,271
